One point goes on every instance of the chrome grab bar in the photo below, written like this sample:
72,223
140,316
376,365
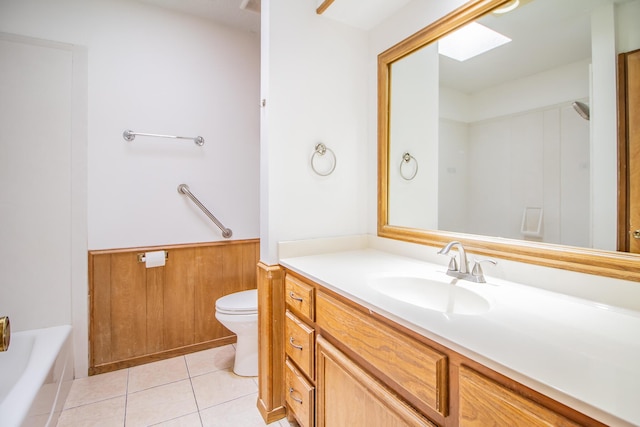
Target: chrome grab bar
184,189
130,135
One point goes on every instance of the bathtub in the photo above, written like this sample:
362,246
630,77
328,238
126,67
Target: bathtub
35,377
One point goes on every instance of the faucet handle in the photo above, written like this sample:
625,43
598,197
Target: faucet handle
453,264
477,272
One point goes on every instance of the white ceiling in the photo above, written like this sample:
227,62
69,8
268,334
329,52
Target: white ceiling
239,14
363,14
545,34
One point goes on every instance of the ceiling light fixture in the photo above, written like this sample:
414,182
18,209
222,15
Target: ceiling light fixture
507,7
469,41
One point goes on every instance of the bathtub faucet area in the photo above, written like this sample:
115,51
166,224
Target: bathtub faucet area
5,333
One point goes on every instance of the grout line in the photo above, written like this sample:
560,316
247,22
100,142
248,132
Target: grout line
230,400
94,402
193,391
126,398
175,418
158,385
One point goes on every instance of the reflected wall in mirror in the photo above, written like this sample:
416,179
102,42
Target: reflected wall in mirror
516,146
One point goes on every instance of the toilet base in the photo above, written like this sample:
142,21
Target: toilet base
246,360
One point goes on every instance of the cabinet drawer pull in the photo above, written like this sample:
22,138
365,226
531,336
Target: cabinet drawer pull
291,390
299,347
294,297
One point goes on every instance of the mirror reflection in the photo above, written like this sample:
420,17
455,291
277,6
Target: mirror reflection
520,141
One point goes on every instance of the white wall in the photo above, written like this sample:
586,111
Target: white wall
39,205
157,71
413,128
314,76
519,153
604,129
567,83
627,28
537,159
453,179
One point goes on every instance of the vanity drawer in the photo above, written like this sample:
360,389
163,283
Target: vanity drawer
299,296
416,371
299,343
299,395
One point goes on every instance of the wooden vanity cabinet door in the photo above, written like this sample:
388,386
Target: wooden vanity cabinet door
299,296
299,344
484,402
299,395
416,371
348,396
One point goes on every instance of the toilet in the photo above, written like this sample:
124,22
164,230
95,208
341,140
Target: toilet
238,312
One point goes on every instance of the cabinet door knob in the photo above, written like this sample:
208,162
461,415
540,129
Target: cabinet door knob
636,234
291,390
299,347
294,297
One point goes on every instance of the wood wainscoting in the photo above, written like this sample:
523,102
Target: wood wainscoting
139,315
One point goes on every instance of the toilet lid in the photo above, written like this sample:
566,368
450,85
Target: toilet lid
240,302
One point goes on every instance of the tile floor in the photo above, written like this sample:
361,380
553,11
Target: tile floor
199,389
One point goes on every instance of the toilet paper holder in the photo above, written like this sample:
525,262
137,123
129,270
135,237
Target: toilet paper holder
143,258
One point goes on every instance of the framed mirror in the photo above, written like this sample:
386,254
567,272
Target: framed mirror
512,151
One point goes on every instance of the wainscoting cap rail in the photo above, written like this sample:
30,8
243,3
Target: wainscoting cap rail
184,189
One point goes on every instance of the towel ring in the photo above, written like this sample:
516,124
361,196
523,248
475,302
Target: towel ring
406,159
321,150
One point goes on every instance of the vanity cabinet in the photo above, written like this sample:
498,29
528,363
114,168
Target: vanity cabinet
346,365
413,369
485,402
348,396
299,332
299,395
299,345
300,297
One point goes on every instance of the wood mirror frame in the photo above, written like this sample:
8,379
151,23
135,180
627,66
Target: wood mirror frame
619,265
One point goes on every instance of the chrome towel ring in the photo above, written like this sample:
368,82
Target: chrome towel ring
406,159
321,150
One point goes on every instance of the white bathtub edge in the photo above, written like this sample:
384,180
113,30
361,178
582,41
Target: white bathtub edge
46,348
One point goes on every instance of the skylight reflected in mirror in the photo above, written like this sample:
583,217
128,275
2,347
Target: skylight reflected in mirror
469,41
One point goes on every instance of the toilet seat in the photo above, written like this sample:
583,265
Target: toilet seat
245,302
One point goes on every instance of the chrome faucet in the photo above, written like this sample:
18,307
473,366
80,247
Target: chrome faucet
461,270
453,268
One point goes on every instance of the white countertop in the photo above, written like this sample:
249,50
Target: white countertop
581,353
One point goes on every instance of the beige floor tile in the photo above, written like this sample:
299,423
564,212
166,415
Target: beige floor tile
106,413
219,387
238,412
214,359
191,420
36,420
160,404
96,388
157,373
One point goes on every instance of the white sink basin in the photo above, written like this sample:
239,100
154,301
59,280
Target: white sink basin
430,294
